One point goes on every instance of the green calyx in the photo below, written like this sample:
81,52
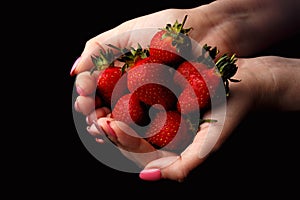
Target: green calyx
178,33
126,55
227,67
212,52
208,56
177,28
103,60
130,55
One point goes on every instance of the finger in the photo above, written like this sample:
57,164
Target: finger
97,44
127,34
174,167
92,47
85,104
95,130
209,138
86,83
178,167
130,143
98,113
124,136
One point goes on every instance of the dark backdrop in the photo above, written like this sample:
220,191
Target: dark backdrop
259,159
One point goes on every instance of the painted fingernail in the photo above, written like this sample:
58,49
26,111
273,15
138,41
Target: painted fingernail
96,131
150,174
79,90
110,131
97,126
76,106
99,140
73,69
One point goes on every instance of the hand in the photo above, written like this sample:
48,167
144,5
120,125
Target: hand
229,25
217,27
263,81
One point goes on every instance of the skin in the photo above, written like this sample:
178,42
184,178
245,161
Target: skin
229,25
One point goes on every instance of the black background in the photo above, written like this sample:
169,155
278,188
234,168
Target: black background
259,159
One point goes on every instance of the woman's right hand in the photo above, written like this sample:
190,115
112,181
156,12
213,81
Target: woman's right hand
266,83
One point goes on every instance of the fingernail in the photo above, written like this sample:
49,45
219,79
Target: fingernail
95,130
79,90
76,106
99,140
110,131
99,129
73,69
150,174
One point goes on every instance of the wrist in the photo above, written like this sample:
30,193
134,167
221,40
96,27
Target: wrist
275,82
286,73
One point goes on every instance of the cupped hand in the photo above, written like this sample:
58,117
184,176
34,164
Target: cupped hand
159,164
262,79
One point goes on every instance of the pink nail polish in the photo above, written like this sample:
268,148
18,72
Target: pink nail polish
73,69
76,106
79,91
150,174
111,131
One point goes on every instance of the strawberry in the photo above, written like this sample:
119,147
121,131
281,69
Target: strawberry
130,110
169,130
152,82
130,56
204,82
170,44
193,67
186,70
108,77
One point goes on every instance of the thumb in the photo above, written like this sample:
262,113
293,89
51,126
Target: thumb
178,167
92,47
118,37
208,139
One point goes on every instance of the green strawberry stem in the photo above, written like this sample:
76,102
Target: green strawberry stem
176,28
176,31
103,60
183,22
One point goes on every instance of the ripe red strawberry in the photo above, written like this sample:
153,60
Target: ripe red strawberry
204,83
186,70
169,130
108,77
129,109
193,67
171,44
152,82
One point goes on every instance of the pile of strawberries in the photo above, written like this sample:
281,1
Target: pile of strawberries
162,88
